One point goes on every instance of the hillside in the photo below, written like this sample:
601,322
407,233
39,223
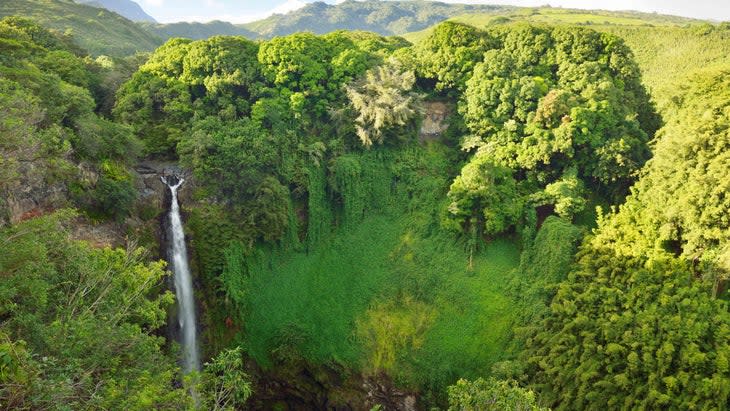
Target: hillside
550,15
197,31
125,8
97,31
413,20
667,48
386,18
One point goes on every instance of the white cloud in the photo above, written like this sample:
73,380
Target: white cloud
290,5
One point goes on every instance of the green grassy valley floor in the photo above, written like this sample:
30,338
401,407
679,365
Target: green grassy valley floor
320,303
386,294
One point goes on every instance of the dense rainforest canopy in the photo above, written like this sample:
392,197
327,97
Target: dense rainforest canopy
557,244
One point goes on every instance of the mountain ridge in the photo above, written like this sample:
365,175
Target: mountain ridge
95,30
125,8
402,18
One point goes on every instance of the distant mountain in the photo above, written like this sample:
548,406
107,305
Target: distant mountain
126,8
383,17
197,31
97,31
597,19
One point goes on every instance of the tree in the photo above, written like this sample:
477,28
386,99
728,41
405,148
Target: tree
551,105
485,198
182,79
224,382
491,395
384,101
632,332
298,65
450,53
78,323
238,163
224,72
158,110
638,322
682,189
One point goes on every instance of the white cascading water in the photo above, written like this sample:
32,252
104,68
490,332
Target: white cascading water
183,285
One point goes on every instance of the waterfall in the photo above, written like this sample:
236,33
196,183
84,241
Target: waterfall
178,257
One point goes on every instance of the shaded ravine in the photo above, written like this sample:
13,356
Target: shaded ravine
178,259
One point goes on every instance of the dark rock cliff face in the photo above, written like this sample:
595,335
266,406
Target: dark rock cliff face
295,384
151,190
33,195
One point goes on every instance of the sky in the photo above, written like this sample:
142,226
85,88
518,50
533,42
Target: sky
243,11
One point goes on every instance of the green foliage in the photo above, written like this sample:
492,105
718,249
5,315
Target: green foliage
23,140
297,63
301,67
544,264
78,322
225,384
231,158
97,138
392,330
557,116
218,76
591,98
98,32
276,82
666,55
111,195
656,340
234,277
319,212
491,394
212,231
158,110
555,109
47,123
485,197
227,70
682,188
566,195
449,54
384,284
363,182
384,103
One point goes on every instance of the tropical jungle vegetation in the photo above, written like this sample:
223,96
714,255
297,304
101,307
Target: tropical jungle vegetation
561,242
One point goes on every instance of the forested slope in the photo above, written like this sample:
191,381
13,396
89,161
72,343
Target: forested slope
76,322
80,323
666,48
95,30
641,321
386,18
126,8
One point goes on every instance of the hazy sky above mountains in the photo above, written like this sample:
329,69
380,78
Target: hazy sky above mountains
241,11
